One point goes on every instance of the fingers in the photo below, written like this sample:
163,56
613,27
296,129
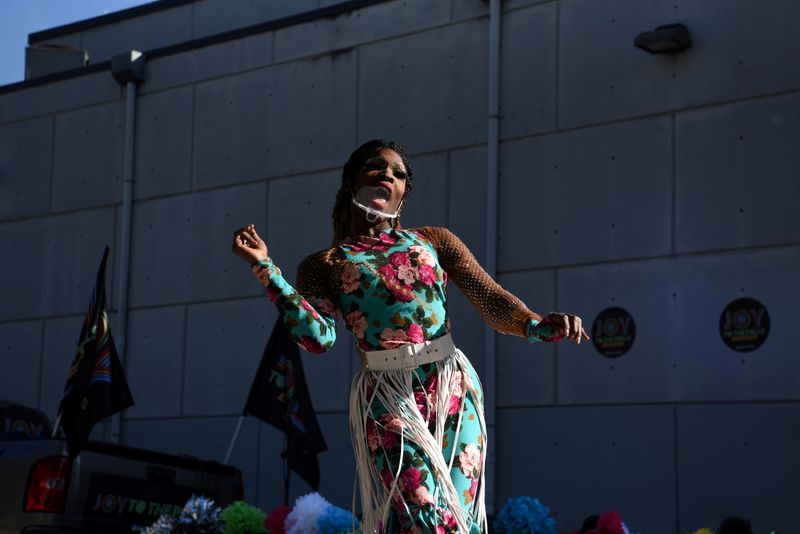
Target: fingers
572,325
244,237
252,230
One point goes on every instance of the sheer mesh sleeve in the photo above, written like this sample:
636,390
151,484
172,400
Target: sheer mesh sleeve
500,309
316,280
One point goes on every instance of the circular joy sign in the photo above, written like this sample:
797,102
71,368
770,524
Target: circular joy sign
744,324
613,332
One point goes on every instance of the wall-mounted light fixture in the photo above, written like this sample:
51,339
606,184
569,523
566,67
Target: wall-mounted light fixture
665,39
128,67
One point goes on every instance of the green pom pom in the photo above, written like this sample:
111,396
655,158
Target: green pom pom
241,518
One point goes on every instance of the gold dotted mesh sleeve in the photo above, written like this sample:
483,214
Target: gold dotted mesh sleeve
317,280
500,309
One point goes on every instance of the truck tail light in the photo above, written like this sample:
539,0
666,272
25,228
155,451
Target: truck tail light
47,485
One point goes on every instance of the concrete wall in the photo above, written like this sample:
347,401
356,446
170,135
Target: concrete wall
663,185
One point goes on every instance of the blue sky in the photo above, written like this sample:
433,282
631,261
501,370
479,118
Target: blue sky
18,18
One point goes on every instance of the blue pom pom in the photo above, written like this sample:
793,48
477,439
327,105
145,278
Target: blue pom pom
524,515
335,520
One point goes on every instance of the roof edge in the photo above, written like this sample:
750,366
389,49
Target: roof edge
330,11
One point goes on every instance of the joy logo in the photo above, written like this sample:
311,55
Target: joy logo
744,324
614,332
22,427
110,503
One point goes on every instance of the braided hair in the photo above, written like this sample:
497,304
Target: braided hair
341,208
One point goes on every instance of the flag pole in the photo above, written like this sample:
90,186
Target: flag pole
233,439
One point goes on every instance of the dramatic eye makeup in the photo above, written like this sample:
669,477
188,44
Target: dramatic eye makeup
379,162
375,163
398,172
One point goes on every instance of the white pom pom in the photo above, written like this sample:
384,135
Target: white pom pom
303,517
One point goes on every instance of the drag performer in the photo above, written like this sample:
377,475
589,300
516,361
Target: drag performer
416,406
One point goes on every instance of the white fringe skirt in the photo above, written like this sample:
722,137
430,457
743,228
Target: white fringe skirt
394,391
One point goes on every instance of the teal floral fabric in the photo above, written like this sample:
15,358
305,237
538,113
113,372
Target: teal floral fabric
389,289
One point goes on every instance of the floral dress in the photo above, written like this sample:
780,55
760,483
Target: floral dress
419,435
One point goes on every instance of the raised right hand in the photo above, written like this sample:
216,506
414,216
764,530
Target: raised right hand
248,245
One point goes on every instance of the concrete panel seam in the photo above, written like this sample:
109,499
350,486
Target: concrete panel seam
674,149
191,21
447,206
181,407
620,261
556,399
631,404
676,442
193,130
24,118
654,115
679,110
56,214
52,161
357,119
215,416
556,79
41,368
370,43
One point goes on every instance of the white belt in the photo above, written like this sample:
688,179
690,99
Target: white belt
409,356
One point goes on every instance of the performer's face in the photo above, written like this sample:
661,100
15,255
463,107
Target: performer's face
384,169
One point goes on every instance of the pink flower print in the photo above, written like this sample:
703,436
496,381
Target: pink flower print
473,488
448,519
422,496
373,440
456,387
455,403
407,274
311,345
470,461
387,272
400,292
363,345
310,309
386,476
354,247
386,239
430,384
357,324
350,278
400,259
423,401
271,293
423,256
427,275
389,440
415,333
323,305
390,339
410,479
390,422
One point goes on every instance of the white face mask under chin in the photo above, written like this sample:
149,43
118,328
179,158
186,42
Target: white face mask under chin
366,198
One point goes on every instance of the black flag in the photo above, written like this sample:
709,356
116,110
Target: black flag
96,386
279,396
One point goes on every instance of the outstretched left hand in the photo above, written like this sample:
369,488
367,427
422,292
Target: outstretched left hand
571,324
